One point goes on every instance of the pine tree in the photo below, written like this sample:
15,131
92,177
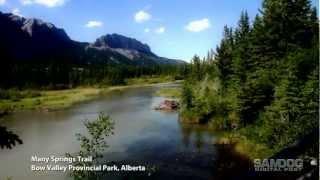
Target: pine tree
286,25
224,54
294,112
241,53
196,68
187,96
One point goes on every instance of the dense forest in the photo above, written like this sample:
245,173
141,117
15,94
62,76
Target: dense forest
262,80
61,74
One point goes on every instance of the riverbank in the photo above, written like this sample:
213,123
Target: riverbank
245,146
172,92
48,100
241,139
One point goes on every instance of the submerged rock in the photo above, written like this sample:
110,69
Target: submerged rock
168,105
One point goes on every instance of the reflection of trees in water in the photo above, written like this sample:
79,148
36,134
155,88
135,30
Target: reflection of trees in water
230,164
199,141
186,133
227,164
190,131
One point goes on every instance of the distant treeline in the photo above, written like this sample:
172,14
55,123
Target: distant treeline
263,77
61,74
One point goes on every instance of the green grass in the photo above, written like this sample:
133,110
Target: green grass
245,140
172,92
249,147
50,100
149,80
15,94
15,100
189,117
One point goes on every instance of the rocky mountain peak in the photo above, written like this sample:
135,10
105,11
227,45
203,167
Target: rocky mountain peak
31,39
118,41
38,27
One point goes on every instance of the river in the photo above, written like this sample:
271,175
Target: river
141,134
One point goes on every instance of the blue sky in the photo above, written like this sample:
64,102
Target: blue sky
172,28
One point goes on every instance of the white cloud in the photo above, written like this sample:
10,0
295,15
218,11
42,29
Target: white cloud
160,30
142,16
93,24
198,25
16,11
2,2
26,2
146,30
47,3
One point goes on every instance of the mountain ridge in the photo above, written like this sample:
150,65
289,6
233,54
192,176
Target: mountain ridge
29,39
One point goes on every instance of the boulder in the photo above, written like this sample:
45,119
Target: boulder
168,105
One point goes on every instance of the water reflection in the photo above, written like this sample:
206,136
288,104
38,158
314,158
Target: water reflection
200,135
142,135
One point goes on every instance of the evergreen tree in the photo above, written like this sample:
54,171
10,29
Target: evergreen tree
224,54
241,53
187,97
286,26
196,68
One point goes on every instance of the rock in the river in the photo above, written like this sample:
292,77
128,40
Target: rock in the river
168,105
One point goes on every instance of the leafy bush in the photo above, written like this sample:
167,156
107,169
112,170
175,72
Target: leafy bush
94,144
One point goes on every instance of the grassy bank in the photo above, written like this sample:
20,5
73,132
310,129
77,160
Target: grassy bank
172,92
244,145
50,99
17,100
245,139
145,80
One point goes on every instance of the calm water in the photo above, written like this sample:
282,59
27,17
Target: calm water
141,133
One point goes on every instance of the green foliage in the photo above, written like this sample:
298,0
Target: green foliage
8,139
241,54
294,112
14,94
94,144
224,54
187,96
288,25
263,77
143,80
54,76
247,142
171,92
254,95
